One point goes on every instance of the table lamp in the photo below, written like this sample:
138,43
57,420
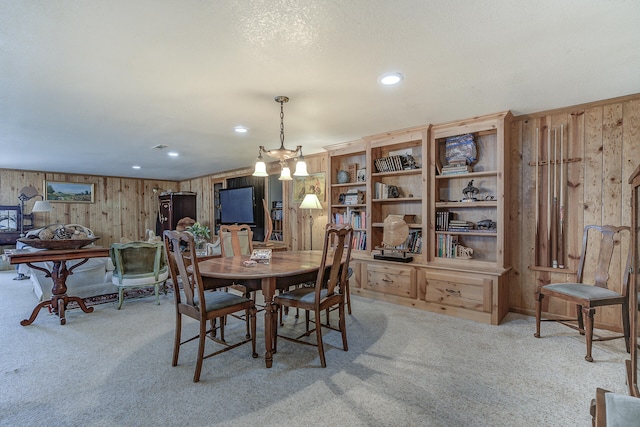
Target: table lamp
28,193
310,202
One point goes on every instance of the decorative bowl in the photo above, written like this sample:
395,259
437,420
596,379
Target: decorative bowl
57,243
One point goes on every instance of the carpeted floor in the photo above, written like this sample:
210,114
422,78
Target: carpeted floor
404,367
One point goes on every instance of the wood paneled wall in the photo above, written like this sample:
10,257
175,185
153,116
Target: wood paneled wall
123,207
127,207
602,149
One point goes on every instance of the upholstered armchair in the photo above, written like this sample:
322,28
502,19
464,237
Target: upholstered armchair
139,265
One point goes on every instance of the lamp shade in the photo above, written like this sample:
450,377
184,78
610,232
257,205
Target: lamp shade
285,175
310,201
42,206
261,169
301,168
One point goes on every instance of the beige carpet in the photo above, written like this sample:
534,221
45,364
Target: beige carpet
404,367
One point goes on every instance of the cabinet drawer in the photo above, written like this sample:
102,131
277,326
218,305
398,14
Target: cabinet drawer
457,290
391,280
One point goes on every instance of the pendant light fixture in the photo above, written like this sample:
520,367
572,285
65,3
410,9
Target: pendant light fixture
282,153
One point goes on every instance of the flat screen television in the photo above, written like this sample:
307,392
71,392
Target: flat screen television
237,206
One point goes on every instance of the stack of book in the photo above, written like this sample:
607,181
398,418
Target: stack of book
391,163
446,246
359,241
456,168
442,220
460,225
381,190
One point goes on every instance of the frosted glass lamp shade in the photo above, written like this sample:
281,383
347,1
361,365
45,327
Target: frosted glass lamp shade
261,169
285,175
301,168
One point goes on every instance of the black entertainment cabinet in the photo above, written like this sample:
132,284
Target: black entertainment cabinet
173,207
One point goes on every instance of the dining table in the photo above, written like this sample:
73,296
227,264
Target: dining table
283,270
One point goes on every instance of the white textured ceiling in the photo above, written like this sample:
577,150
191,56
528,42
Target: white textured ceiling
90,86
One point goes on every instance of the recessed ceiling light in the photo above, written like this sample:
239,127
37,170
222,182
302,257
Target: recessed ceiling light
136,167
173,154
391,78
240,129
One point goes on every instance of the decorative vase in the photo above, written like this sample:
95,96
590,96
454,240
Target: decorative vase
201,245
343,177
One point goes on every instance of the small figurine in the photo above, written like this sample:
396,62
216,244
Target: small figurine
394,192
470,192
486,224
464,252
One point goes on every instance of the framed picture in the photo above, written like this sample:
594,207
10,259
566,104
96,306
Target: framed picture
362,175
68,192
9,218
314,183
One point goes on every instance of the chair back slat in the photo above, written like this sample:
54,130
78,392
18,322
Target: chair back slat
606,239
337,246
182,249
236,240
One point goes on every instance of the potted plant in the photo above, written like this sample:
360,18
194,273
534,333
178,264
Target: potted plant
201,233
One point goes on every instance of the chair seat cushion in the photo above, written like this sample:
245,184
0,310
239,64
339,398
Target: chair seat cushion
140,279
218,300
305,295
580,290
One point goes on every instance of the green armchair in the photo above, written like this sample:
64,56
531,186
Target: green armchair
138,265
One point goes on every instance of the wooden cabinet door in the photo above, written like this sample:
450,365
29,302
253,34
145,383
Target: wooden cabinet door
388,279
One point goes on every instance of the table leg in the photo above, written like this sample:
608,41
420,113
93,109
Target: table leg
268,290
34,313
59,298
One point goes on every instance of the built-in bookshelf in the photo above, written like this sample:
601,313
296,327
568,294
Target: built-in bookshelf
348,190
468,192
397,164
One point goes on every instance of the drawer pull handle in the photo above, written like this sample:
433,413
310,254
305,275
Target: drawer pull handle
453,292
387,280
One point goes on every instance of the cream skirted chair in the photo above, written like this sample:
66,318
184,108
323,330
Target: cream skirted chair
139,265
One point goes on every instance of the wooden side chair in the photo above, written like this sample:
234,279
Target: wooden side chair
598,246
236,240
325,294
138,265
203,306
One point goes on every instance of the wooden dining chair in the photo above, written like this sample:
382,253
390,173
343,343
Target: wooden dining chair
325,294
237,240
203,306
598,246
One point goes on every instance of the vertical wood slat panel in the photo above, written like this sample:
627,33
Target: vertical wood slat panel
518,173
574,218
612,196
